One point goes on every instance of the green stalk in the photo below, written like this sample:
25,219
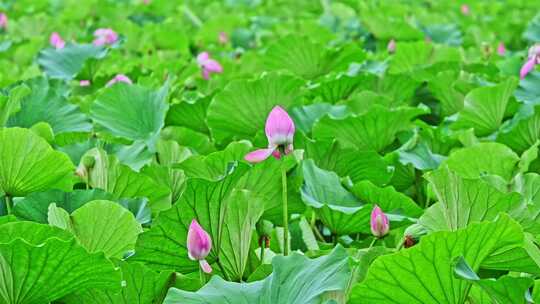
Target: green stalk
9,204
202,276
354,273
285,211
263,247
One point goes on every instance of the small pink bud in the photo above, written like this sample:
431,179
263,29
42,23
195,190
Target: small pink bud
119,78
391,46
208,65
84,83
3,21
199,245
57,41
465,10
279,130
501,50
379,222
223,38
105,36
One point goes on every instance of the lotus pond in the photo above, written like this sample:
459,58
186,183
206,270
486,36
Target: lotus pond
269,152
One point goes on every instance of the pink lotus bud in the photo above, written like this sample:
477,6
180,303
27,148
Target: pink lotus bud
391,46
534,52
465,10
279,130
57,41
532,60
199,245
119,78
105,36
84,83
501,50
208,65
146,2
3,21
223,38
379,222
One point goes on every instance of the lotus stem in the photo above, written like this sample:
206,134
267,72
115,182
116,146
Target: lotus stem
9,204
285,211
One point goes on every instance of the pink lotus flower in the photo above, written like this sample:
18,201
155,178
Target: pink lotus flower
379,222
208,65
465,10
199,245
84,83
119,78
532,60
391,46
3,21
223,38
105,36
501,49
279,130
57,41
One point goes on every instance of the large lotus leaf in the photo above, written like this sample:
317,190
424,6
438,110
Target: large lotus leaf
105,226
522,131
506,289
465,200
387,198
301,56
339,210
131,111
11,104
32,233
482,159
363,165
67,62
243,212
424,273
217,291
164,173
338,88
163,247
122,182
241,109
532,33
47,103
448,34
528,91
373,130
190,114
28,164
214,165
295,279
442,86
141,285
355,164
305,116
386,27
264,179
41,263
412,57
35,205
485,107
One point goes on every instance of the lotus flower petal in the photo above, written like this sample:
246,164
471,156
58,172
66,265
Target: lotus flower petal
199,243
119,78
379,222
258,156
3,21
279,127
527,67
57,41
